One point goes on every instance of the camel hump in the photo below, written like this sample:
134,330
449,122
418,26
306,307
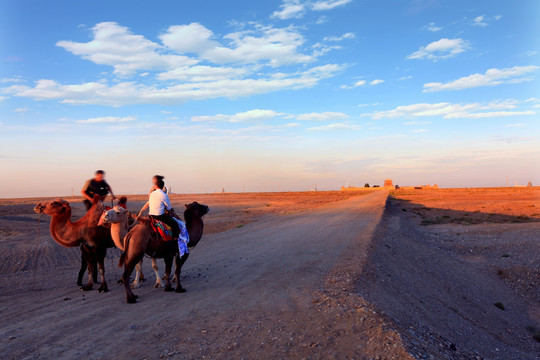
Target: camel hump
144,220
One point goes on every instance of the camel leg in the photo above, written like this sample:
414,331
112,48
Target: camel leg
158,283
179,263
90,262
131,298
141,274
101,253
168,268
84,266
135,284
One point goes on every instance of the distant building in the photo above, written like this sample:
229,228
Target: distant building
388,183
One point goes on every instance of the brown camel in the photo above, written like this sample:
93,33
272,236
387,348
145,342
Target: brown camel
85,231
142,239
118,218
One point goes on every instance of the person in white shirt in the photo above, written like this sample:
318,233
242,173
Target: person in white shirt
159,207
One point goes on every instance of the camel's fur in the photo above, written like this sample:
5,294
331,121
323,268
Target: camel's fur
85,231
142,239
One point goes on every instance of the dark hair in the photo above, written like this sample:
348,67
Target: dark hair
160,184
122,200
159,177
100,172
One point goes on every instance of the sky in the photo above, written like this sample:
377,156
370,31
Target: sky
268,95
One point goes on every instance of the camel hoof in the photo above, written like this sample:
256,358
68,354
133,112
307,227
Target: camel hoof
135,285
180,290
87,287
157,285
103,289
79,283
169,289
132,300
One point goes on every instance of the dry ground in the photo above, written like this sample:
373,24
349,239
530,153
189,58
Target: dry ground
296,275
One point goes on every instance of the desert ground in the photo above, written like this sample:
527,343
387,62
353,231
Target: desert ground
423,274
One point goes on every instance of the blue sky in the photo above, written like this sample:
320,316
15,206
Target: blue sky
273,95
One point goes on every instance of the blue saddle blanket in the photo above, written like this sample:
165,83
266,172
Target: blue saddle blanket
183,239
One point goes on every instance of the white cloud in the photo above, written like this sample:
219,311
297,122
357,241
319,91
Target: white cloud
420,131
290,9
453,111
359,83
479,21
251,115
405,78
431,27
201,73
291,125
107,120
125,93
116,46
328,4
515,125
21,110
12,80
440,49
348,35
191,63
322,116
483,21
529,53
346,125
165,112
264,44
491,77
362,83
295,9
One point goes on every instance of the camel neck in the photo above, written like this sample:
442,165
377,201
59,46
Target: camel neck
195,228
63,230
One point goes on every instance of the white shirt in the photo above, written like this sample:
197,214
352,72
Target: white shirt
158,202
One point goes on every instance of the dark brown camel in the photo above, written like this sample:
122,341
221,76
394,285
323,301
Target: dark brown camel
85,231
142,239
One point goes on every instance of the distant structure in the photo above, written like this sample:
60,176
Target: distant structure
529,184
389,184
420,187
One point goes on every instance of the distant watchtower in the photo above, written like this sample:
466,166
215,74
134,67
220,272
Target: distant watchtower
388,183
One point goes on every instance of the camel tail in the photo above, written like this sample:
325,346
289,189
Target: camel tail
126,245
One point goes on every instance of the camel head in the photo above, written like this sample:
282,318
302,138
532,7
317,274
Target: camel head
196,209
116,215
56,207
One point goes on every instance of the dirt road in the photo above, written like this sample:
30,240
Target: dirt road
279,287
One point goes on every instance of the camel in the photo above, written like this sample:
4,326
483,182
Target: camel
118,218
95,239
142,239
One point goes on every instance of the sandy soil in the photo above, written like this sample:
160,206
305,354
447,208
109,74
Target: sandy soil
301,276
475,205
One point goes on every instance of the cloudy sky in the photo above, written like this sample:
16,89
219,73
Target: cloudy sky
273,95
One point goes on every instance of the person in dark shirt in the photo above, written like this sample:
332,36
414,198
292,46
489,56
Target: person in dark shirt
94,186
